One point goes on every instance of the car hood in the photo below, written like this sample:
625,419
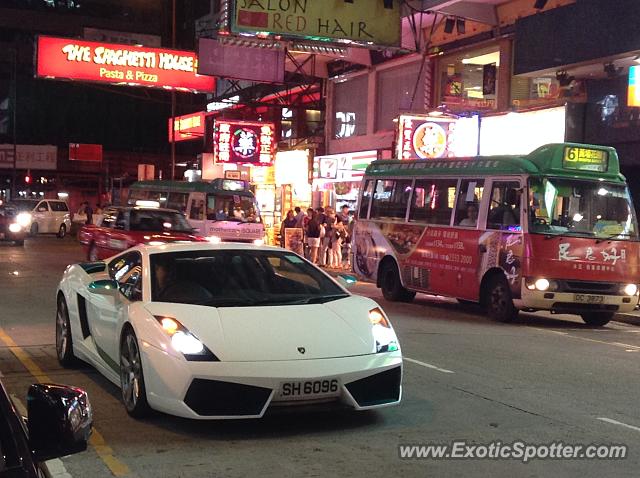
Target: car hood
339,328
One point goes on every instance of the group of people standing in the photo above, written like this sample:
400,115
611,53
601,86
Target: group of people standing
327,235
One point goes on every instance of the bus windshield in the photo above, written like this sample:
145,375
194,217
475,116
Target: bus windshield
581,208
232,208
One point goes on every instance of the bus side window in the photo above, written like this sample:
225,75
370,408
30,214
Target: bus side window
433,201
367,194
468,202
178,201
391,198
504,209
197,210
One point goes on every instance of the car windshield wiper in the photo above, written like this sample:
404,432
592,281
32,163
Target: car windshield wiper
321,299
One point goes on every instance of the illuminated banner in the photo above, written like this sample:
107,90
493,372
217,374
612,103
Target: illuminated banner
72,59
634,86
85,152
425,137
244,142
367,21
187,127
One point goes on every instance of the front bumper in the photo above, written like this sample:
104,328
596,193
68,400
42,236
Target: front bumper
232,390
566,303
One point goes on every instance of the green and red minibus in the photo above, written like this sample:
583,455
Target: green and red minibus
552,230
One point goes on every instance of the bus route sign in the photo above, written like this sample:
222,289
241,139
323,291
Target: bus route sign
585,159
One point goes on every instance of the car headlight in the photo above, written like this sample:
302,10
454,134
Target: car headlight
24,219
15,227
383,334
184,341
630,289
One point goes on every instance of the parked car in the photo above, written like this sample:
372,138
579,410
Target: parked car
13,224
58,424
124,227
228,330
48,216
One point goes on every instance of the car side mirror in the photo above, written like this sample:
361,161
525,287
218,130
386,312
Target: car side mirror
59,420
347,281
104,287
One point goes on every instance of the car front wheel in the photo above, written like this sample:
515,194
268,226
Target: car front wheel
134,394
499,303
597,319
64,342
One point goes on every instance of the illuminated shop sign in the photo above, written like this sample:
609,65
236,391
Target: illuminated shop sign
244,142
187,127
424,137
72,59
366,21
343,167
634,86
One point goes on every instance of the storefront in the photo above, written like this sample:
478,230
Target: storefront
336,178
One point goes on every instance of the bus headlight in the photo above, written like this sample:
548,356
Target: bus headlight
630,289
15,227
541,284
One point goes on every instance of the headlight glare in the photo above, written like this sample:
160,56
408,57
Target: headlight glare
630,289
542,284
24,219
15,227
186,343
376,317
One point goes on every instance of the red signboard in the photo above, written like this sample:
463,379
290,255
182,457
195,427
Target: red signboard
85,152
73,59
244,142
187,127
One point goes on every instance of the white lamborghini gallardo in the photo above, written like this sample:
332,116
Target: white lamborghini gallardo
214,331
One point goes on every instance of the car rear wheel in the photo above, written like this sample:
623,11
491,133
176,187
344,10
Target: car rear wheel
62,231
93,252
64,342
391,285
499,303
134,394
597,319
34,229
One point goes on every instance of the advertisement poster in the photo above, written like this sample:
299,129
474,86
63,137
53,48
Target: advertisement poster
244,142
294,240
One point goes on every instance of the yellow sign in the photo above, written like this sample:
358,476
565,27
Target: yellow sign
585,159
361,20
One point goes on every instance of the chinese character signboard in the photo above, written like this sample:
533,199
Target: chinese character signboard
187,127
244,142
366,21
29,156
424,137
72,59
343,167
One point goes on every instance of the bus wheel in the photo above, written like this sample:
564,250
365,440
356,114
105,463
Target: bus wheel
597,319
498,301
392,287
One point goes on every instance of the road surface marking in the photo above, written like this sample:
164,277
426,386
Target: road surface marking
55,467
627,347
427,365
616,422
96,441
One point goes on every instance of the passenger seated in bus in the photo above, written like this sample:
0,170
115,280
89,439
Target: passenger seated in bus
472,216
507,214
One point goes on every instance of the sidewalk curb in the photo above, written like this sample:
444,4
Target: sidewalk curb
630,318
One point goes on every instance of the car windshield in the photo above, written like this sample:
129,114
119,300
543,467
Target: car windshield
581,208
156,220
25,204
239,278
232,208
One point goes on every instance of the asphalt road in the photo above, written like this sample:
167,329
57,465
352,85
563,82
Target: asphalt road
542,380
